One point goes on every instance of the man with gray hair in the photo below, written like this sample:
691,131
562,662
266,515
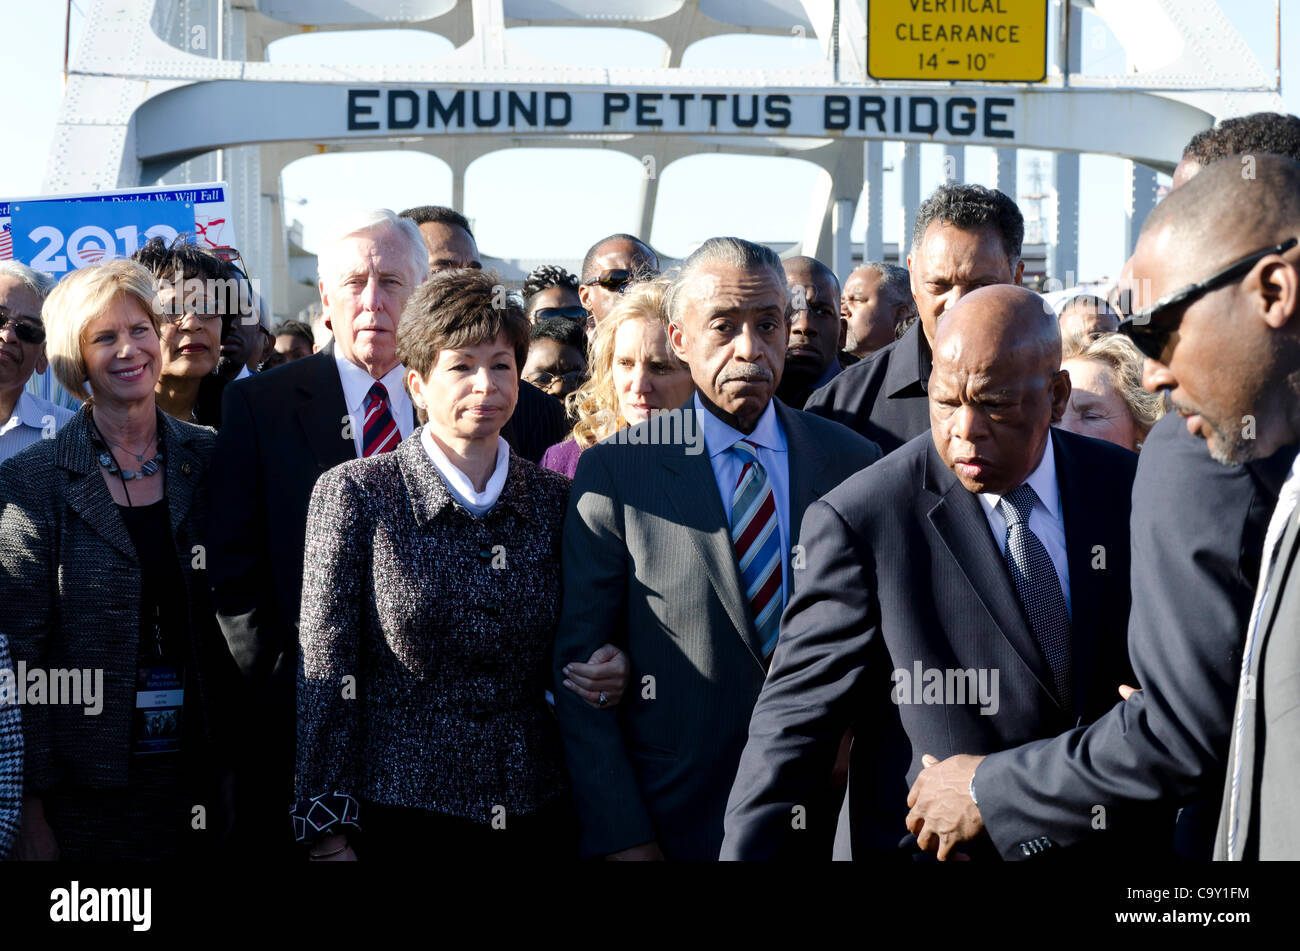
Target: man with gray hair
279,432
877,300
26,416
679,545
965,237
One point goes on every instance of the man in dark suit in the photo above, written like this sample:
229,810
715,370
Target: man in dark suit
1218,265
681,538
1204,525
280,431
965,237
967,592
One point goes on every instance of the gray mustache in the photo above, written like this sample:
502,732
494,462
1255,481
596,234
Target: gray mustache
747,372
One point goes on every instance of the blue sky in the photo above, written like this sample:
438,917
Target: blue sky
553,203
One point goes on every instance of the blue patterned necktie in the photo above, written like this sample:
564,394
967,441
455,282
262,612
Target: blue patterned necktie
756,537
1039,588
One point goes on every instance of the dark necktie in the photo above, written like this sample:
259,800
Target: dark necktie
1039,588
379,432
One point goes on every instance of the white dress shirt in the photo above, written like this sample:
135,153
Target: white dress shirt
773,455
356,384
28,423
459,484
1045,518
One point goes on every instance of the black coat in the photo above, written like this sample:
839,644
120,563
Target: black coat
882,396
902,569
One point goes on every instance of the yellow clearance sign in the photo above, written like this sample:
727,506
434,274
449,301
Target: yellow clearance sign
981,40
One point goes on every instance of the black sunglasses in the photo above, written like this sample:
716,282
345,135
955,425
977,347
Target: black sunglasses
614,279
1153,340
572,312
27,329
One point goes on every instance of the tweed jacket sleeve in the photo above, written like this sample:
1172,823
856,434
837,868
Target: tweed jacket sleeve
11,759
27,578
334,595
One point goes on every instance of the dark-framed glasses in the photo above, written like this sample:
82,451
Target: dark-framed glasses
542,379
572,312
1152,335
614,279
28,329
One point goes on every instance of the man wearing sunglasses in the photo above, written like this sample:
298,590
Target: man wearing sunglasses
1218,265
610,265
26,417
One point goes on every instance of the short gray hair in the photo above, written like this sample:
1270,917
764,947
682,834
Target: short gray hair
730,252
365,222
895,281
38,282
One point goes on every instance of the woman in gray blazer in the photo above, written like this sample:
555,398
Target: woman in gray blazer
431,590
103,598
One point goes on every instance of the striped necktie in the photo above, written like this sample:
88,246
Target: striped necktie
1039,588
1286,505
379,432
757,540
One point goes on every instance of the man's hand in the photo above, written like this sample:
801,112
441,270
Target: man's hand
943,814
605,672
649,852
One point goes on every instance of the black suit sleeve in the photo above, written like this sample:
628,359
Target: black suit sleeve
239,569
1195,523
827,631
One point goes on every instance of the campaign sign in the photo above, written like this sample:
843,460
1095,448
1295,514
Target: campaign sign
57,236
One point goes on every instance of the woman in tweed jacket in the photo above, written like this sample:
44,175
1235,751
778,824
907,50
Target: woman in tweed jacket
431,590
101,576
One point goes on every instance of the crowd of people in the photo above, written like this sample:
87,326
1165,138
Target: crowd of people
720,560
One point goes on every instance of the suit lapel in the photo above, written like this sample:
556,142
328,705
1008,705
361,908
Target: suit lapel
88,496
809,480
1086,518
693,493
184,469
322,414
1278,578
959,519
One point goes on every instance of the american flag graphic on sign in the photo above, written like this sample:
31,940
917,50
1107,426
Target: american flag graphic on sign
6,244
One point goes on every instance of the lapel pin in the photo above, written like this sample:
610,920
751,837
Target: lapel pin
186,468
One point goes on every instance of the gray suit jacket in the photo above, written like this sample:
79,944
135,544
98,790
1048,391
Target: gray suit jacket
1268,825
649,566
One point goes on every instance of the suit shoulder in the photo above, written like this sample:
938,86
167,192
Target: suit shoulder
261,387
1118,462
903,468
844,440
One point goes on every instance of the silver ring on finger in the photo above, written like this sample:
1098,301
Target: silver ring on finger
603,699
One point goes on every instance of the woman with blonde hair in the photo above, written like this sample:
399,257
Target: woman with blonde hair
1106,396
634,374
101,572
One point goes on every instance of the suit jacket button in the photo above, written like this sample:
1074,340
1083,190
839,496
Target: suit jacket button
492,609
480,715
485,553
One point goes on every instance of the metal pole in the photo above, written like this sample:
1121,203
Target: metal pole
67,36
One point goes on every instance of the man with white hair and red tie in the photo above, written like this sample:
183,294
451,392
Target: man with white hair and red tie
279,432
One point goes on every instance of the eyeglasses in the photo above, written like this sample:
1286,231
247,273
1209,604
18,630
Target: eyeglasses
207,312
614,279
569,313
28,329
542,379
1154,340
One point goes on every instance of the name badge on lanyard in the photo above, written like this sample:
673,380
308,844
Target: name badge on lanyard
159,700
